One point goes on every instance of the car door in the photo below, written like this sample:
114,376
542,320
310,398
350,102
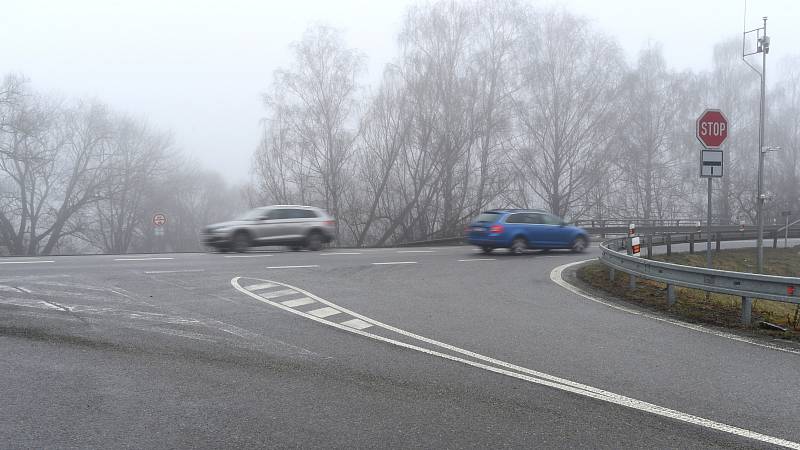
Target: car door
535,230
552,231
268,228
296,224
559,234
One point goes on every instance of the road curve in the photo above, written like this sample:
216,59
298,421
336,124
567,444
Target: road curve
163,350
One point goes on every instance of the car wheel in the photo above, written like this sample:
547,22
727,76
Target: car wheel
241,242
314,241
295,248
487,249
518,246
579,244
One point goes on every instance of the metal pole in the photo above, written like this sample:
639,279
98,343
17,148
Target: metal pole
786,234
708,228
760,199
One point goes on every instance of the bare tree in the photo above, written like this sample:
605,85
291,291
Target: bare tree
566,108
54,158
785,132
137,161
652,107
320,94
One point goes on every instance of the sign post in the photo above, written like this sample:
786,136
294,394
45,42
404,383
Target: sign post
711,131
159,220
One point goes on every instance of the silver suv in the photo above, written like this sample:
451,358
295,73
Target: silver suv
292,225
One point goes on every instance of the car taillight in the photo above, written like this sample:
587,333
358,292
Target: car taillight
330,223
496,229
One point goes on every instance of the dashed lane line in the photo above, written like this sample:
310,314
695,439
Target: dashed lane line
556,277
293,267
162,258
154,272
515,371
27,262
393,262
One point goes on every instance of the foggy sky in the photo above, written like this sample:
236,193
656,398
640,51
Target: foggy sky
198,68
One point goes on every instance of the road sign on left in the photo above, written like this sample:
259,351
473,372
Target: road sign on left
159,219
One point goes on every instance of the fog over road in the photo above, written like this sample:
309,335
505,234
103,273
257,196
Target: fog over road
409,347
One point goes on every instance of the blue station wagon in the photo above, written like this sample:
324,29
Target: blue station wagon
522,229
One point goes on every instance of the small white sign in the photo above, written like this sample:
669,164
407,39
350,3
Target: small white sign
711,163
636,247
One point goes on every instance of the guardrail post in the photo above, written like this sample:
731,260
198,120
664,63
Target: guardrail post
691,242
747,311
612,274
671,294
650,246
669,244
774,239
632,282
719,240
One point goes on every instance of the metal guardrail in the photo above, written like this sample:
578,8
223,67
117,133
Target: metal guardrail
748,286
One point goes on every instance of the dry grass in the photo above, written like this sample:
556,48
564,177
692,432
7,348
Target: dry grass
715,309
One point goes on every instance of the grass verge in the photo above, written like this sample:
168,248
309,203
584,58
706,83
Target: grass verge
714,309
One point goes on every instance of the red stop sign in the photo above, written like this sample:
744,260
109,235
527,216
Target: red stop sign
712,128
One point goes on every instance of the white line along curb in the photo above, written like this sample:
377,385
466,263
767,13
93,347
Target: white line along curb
515,371
556,277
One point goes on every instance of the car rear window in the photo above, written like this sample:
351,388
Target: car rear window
488,217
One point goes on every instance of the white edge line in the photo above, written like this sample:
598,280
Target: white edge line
556,277
393,262
292,267
546,380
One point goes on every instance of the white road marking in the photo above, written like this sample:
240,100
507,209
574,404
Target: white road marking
143,259
393,262
415,251
339,253
27,291
8,288
256,287
358,324
324,312
292,267
556,277
25,262
522,373
246,256
151,272
298,302
477,259
276,294
29,303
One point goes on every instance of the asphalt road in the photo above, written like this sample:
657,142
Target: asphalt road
423,347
